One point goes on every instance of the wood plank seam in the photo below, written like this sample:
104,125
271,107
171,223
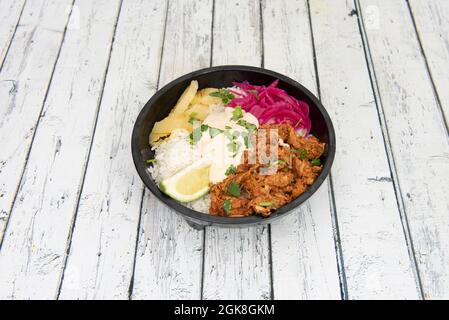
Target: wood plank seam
212,34
131,284
262,54
216,236
12,37
429,71
80,191
337,242
388,148
262,64
36,126
105,231
203,257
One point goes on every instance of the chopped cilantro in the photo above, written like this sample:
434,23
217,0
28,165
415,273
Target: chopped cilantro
234,189
249,126
247,141
223,94
214,131
266,204
192,117
280,162
227,206
237,113
230,170
149,161
231,135
196,134
302,153
316,162
228,134
234,147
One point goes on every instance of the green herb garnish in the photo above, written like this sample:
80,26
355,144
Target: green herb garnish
193,137
249,126
227,206
316,162
231,135
223,94
266,204
247,141
228,134
302,153
233,147
214,131
280,162
196,134
192,117
234,189
150,161
237,113
231,170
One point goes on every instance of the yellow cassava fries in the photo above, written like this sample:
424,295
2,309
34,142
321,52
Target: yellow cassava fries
199,110
203,96
164,127
186,98
191,103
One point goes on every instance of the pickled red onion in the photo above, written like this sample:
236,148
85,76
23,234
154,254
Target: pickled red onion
271,105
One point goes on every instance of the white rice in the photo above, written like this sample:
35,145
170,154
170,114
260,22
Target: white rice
173,155
200,205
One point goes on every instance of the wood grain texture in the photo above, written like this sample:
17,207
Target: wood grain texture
432,24
24,81
303,249
71,198
101,257
417,134
169,253
236,261
10,12
376,260
42,215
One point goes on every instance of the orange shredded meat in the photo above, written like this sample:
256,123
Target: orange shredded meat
265,187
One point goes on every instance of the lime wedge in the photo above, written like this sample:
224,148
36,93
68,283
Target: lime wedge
189,184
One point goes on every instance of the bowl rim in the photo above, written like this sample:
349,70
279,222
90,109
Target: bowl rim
194,215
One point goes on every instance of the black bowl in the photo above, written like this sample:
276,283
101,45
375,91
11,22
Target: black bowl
161,103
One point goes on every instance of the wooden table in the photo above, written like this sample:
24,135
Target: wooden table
77,222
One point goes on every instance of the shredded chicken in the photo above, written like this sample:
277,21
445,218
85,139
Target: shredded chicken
265,186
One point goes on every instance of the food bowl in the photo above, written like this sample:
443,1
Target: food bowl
159,106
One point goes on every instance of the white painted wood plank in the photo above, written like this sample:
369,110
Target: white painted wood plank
237,264
169,252
10,11
101,257
418,136
432,22
376,260
303,248
187,39
24,81
236,261
33,253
